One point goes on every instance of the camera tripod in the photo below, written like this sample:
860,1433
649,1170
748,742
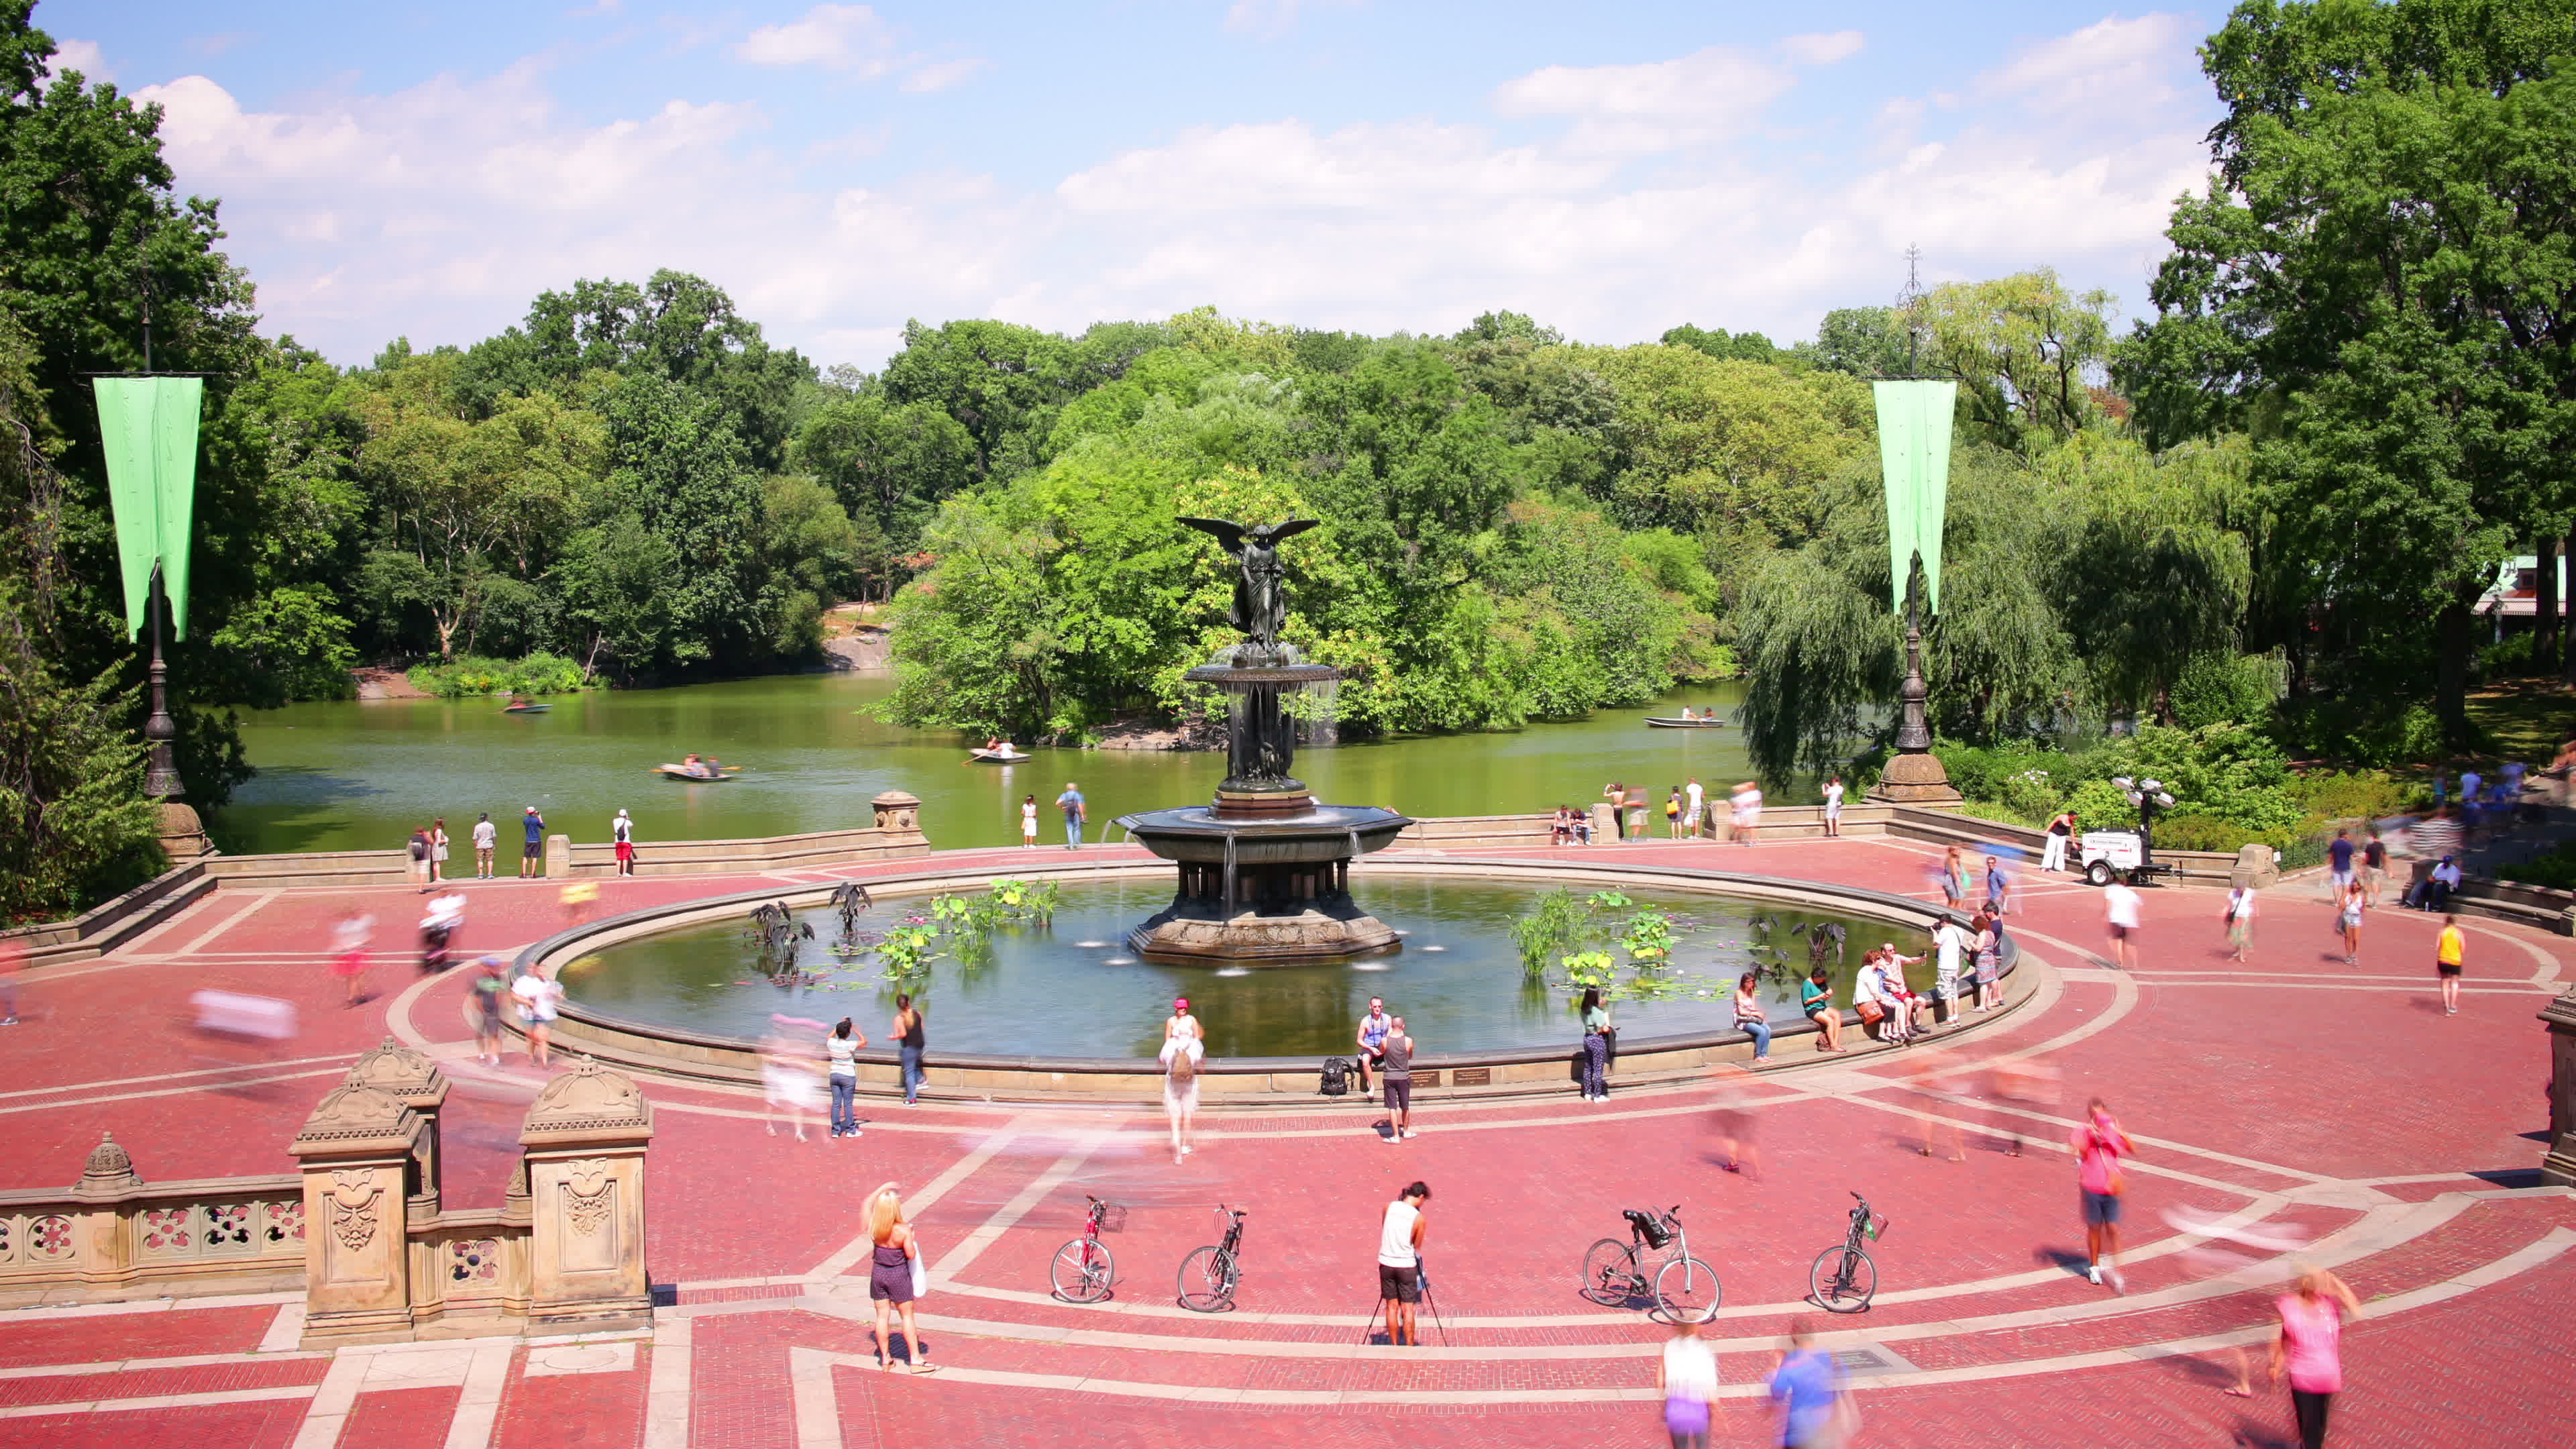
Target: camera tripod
1377,1310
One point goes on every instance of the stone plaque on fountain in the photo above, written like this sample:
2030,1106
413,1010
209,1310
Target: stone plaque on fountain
1264,870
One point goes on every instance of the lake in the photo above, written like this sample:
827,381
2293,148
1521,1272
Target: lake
362,774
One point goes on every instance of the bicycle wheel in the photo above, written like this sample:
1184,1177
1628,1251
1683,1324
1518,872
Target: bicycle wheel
1610,1273
1687,1291
1207,1280
1081,1271
1843,1280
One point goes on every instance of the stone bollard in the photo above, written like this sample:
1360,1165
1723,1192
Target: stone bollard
416,1082
559,856
2558,1166
103,1250
1605,825
357,1152
584,1140
898,812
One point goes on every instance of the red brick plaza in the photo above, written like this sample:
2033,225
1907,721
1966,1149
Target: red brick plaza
2292,1094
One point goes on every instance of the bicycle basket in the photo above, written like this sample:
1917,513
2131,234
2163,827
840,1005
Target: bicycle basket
1877,1228
1648,1227
1113,1217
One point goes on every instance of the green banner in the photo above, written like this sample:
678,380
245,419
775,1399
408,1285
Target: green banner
148,429
1914,457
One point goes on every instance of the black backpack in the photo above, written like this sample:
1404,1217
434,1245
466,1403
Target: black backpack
1337,1077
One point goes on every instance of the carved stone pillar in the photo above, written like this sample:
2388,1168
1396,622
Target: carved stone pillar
584,1139
416,1082
2558,1167
357,1152
102,1240
898,812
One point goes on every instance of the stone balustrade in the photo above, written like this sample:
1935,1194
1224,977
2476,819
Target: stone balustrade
115,1236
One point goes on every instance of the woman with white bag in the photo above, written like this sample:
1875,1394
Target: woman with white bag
897,1277
1184,1046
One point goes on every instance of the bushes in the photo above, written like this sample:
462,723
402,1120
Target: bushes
470,674
2507,658
2555,870
2368,730
2228,688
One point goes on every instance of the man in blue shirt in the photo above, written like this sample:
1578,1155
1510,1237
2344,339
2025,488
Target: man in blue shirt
1803,1386
2339,855
1071,803
532,855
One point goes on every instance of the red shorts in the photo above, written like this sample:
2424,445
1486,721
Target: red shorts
349,963
625,850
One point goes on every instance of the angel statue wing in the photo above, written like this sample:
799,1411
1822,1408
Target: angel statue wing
1272,534
1229,534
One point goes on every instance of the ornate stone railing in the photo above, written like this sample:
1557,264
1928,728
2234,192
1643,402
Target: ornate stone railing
363,1228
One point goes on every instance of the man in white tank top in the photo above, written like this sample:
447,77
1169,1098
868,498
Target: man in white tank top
1399,1263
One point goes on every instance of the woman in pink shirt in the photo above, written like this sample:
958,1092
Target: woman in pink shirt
2099,1145
2310,1348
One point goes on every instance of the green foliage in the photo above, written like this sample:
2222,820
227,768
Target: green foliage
1554,925
2553,869
2222,688
289,643
2507,658
2370,731
75,825
469,675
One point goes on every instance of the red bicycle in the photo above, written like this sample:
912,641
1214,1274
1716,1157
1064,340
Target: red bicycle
1083,1269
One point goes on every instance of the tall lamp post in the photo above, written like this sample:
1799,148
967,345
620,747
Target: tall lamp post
1914,460
148,433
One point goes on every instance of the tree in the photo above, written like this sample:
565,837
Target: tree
893,463
1707,442
1862,341
1740,347
680,470
2027,354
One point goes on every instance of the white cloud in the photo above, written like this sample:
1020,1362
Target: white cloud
80,55
1822,48
2126,65
940,75
835,37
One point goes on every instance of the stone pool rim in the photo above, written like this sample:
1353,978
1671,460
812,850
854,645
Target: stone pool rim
681,1052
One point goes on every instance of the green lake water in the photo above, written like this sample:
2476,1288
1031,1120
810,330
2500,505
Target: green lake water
1072,988
360,775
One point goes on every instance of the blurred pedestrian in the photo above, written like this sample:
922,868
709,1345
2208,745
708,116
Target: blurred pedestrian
1688,1377
1998,887
2450,956
417,848
2099,1146
438,850
1816,999
579,896
13,959
2348,920
621,831
1184,1046
1833,806
538,1000
911,1036
532,851
438,930
2120,913
1596,1046
1396,1058
2309,1349
487,837
842,1048
349,952
1938,1071
2374,866
895,1276
787,1079
1694,808
2025,1084
2239,916
1803,1385
1731,1117
490,988
1746,804
1399,1264
1953,879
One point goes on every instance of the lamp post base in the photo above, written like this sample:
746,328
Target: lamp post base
1914,779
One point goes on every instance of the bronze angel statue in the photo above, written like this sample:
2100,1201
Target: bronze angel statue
1260,608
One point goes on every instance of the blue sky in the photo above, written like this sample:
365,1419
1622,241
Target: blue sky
1612,169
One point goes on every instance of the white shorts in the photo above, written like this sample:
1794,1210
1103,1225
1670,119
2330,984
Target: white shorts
789,1087
1180,1094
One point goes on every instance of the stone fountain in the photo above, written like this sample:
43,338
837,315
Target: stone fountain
1264,869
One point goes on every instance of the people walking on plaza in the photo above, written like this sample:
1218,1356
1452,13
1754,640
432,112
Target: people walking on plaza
1694,807
842,1048
2061,833
487,837
1816,999
2309,1349
1998,888
1184,1046
2239,915
1732,1118
910,1036
1954,878
578,897
2120,913
895,1274
1399,1263
438,850
1833,806
1989,946
2450,956
349,953
1028,822
1688,1378
1071,803
532,850
622,831
490,990
538,1000
2339,860
438,930
1952,944
1596,1046
2374,867
1749,1017
786,1079
417,848
1803,1385
2099,1146
2348,920
1747,804
1396,1056
1371,1041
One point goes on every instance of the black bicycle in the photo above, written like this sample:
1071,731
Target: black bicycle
1210,1275
1083,1269
1684,1289
1844,1279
